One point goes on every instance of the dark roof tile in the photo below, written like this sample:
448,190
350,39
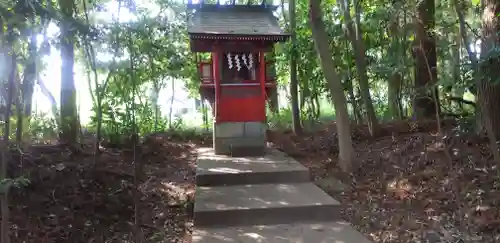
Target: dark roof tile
239,20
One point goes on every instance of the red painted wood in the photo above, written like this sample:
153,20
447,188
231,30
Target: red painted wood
244,105
241,103
230,45
268,84
208,81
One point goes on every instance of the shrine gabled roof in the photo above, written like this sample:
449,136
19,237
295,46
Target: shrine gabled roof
251,22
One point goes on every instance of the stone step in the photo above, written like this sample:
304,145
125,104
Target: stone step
245,150
263,204
273,167
323,232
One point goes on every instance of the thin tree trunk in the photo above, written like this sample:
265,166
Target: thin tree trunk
356,38
455,52
489,87
69,121
426,100
204,111
171,106
4,197
484,112
28,85
297,129
489,90
346,152
395,80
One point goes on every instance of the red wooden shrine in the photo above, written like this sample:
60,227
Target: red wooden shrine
231,42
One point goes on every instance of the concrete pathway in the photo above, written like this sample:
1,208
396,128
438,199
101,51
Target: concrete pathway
264,199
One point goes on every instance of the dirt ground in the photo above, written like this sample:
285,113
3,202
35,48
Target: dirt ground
70,200
412,185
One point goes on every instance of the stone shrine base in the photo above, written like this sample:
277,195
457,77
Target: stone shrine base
240,139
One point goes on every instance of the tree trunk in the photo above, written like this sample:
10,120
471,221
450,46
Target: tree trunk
69,121
156,92
394,96
490,90
171,108
346,152
456,36
30,76
305,95
354,104
425,102
272,95
351,97
10,86
24,106
482,112
356,37
204,113
395,80
297,129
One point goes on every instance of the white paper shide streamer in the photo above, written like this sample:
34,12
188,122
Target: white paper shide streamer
239,60
238,64
250,61
244,59
229,61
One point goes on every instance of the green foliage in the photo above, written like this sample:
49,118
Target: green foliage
43,127
283,119
160,50
117,120
8,183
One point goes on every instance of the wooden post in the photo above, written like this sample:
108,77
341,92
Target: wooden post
217,86
262,77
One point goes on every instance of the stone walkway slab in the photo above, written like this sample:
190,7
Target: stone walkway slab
274,167
325,232
265,199
263,203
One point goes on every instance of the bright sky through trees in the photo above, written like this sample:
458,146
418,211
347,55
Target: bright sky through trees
51,74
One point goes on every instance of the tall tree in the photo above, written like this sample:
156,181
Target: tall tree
395,79
355,35
480,80
69,120
321,41
297,128
490,89
9,85
426,103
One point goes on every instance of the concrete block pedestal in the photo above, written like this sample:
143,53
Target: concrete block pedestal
240,138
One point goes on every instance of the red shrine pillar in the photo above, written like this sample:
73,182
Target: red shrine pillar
240,112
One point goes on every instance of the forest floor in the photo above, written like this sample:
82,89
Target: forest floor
412,185
70,200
